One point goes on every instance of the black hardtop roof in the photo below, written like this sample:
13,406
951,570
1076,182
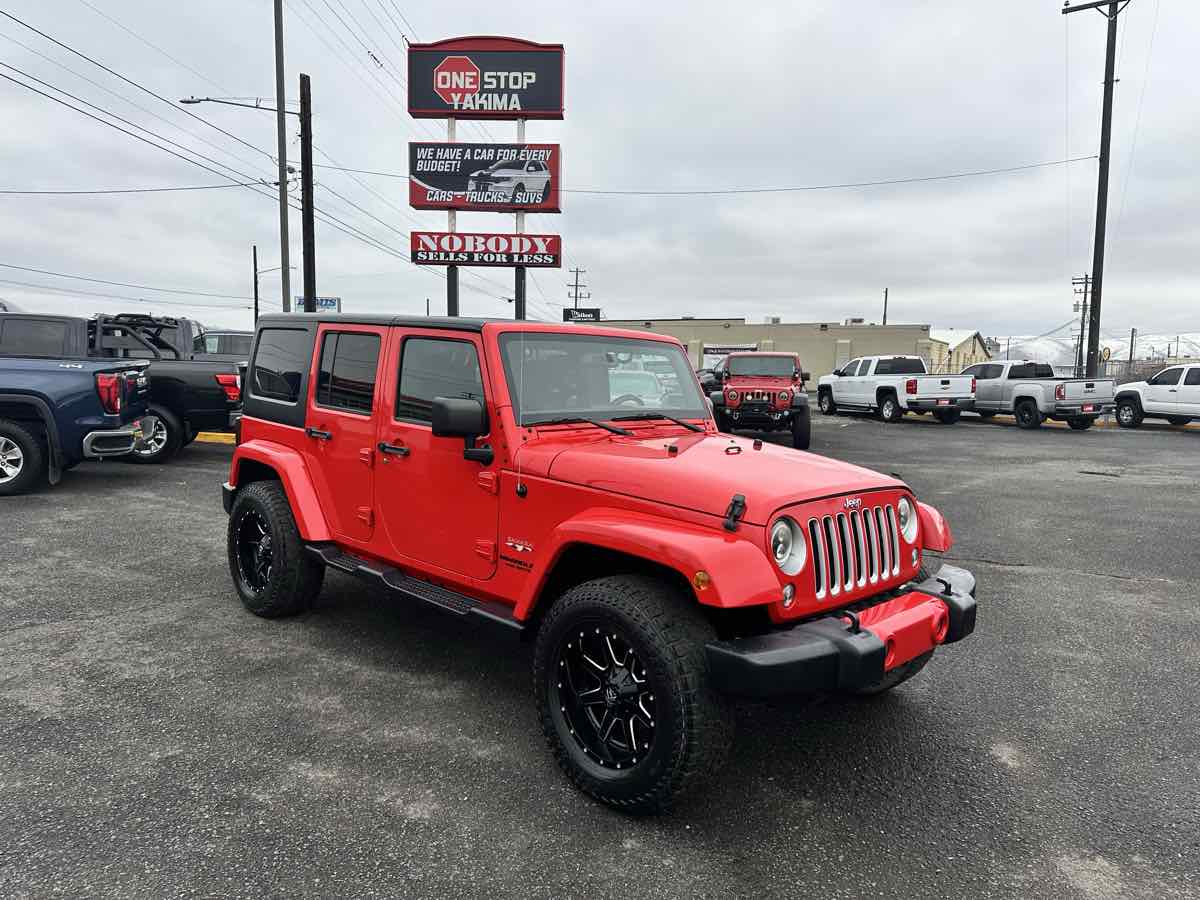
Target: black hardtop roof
456,323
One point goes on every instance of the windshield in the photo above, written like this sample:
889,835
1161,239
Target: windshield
763,366
554,376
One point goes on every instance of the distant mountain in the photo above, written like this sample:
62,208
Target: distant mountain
1058,347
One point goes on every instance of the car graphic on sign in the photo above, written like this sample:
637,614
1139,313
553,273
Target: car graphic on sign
510,181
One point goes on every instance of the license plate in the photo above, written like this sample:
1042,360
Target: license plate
943,403
1089,407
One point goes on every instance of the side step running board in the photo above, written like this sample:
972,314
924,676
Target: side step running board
415,588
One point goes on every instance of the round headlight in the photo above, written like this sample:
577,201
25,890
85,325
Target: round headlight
908,519
732,395
784,395
788,548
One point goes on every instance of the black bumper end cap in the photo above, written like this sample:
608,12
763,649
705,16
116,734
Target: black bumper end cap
956,588
227,492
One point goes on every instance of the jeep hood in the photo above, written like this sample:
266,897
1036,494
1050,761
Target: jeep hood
708,470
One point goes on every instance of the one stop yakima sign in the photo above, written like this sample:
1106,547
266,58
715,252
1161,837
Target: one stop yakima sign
443,248
454,78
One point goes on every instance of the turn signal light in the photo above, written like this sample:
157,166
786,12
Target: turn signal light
910,386
972,384
110,387
232,386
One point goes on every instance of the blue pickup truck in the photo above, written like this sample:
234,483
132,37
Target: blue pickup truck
55,413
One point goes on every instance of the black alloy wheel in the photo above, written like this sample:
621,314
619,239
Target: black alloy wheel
1027,414
255,551
603,696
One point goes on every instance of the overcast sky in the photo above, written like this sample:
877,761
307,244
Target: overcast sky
665,96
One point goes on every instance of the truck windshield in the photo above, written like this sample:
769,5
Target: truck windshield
762,366
556,376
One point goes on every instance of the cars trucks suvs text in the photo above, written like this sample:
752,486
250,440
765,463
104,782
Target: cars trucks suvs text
502,471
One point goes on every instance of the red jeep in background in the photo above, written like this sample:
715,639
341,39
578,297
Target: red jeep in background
502,471
764,392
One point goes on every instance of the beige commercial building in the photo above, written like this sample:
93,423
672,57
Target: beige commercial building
822,346
953,349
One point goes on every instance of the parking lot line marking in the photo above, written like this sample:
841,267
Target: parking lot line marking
215,437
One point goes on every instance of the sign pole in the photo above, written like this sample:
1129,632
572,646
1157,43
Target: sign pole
306,186
254,262
519,276
451,271
281,138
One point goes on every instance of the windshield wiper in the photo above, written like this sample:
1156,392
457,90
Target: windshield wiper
582,420
646,416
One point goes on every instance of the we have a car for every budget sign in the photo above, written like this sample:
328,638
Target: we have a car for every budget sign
488,177
443,248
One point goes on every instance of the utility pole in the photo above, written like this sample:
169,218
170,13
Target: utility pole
574,291
885,293
1082,285
1132,341
451,224
1114,9
519,275
254,258
306,201
281,141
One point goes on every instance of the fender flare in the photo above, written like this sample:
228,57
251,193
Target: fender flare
54,462
1129,395
730,559
289,465
935,530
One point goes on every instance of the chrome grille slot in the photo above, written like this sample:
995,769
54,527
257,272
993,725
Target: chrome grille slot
818,558
872,554
844,552
884,545
860,562
894,539
832,554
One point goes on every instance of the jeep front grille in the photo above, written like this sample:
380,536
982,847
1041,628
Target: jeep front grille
851,550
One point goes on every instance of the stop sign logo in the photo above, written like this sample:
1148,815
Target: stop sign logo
455,77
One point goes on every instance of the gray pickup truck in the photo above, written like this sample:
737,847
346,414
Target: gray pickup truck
1032,393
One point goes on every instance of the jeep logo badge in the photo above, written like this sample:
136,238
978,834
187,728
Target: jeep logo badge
853,502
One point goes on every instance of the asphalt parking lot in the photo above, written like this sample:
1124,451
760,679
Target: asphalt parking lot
156,740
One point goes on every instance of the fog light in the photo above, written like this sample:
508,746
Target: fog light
789,595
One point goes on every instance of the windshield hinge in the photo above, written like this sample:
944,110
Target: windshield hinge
737,507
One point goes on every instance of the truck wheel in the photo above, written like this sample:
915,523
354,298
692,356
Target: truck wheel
22,460
1028,415
890,409
826,404
166,437
801,429
1080,423
620,680
895,677
272,573
1129,413
1179,420
948,416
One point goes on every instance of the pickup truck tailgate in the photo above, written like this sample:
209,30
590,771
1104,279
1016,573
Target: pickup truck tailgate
932,387
1085,390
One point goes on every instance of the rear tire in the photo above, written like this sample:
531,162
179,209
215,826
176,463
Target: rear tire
1129,412
801,429
273,574
895,677
1179,420
22,459
166,437
1028,415
659,633
948,416
825,402
1080,423
889,408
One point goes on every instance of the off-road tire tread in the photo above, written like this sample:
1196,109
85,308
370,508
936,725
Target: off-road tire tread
801,430
33,468
679,631
302,574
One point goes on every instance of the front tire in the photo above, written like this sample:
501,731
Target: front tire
620,680
801,429
22,459
273,574
1129,413
826,404
166,437
890,409
1028,416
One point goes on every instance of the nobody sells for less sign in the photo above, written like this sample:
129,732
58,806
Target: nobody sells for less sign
443,248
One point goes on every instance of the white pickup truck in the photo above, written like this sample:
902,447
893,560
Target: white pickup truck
1031,393
894,385
1172,394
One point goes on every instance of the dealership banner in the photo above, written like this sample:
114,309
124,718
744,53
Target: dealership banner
485,78
484,177
711,354
581,314
442,248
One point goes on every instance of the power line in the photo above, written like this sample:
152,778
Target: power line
157,190
78,291
140,287
1137,121
404,20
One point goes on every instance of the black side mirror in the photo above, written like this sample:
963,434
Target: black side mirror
726,375
465,418
806,376
717,398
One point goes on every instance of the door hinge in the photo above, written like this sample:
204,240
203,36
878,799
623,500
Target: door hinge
367,455
486,549
366,515
489,482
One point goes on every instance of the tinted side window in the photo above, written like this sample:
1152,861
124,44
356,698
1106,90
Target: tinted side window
900,367
29,337
973,370
431,367
346,378
990,371
279,364
1193,376
1025,370
1168,376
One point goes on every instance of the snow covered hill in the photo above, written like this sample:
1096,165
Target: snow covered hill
1058,346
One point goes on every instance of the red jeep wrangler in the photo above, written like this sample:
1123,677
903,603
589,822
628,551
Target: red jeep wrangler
502,471
764,392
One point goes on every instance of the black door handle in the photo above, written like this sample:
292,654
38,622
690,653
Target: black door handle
392,449
319,434
1173,391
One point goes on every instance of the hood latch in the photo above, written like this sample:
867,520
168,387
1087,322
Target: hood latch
737,507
